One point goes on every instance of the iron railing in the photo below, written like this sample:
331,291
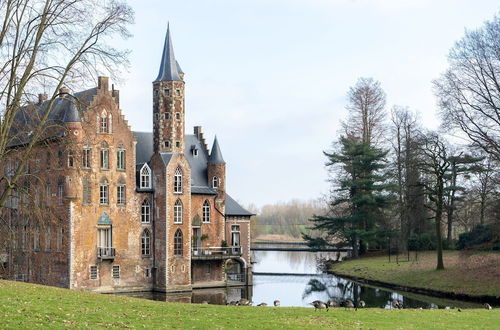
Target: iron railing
236,277
106,253
230,251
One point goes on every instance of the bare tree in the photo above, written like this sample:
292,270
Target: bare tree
366,108
435,165
48,44
469,91
405,131
45,45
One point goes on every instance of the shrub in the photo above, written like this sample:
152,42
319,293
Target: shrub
481,237
420,242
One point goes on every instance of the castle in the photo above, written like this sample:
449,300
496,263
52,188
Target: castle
106,209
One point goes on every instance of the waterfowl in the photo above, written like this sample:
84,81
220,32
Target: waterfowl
318,304
262,304
277,303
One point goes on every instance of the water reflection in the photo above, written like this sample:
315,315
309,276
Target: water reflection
308,283
302,283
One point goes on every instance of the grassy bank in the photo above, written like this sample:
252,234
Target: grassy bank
466,272
32,306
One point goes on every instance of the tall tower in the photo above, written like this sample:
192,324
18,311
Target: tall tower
168,103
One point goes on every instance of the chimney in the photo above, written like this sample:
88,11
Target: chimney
199,135
42,98
116,94
102,83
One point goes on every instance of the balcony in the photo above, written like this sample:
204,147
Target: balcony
216,253
106,253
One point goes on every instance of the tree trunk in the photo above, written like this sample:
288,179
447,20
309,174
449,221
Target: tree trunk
439,213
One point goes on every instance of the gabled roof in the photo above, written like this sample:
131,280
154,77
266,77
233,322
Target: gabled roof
169,68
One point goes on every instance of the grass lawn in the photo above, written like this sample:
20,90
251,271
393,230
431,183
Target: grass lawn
33,306
465,272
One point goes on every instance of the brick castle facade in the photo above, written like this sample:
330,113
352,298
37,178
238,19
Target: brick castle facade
103,208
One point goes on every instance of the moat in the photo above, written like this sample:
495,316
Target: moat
296,279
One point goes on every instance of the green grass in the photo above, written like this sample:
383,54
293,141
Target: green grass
33,306
465,273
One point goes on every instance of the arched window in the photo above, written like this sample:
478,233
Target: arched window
146,212
120,157
87,192
145,182
104,192
178,243
146,243
103,122
178,181
206,211
215,182
178,211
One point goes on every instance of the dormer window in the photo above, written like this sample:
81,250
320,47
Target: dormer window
215,182
145,177
195,152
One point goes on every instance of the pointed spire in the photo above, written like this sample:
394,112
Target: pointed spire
216,154
169,68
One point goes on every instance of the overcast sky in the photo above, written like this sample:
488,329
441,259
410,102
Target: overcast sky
270,77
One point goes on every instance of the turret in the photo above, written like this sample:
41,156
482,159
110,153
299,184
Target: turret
168,103
216,170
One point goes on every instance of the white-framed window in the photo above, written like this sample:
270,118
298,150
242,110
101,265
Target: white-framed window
145,177
206,211
104,121
178,181
177,116
86,157
178,144
157,116
178,211
103,124
60,239
146,212
104,192
93,273
48,239
36,238
116,272
146,243
120,158
166,92
235,235
166,144
71,159
105,159
120,194
178,243
215,182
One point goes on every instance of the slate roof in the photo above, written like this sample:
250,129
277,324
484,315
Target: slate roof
216,154
169,67
198,163
64,110
235,209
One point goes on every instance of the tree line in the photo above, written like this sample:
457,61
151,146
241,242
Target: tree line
393,179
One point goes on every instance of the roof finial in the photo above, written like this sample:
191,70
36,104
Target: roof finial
169,68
